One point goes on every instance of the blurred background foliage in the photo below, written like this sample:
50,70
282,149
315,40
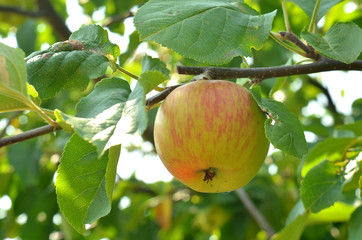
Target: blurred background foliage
163,210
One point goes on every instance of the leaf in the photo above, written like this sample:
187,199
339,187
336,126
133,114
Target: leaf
354,225
72,63
154,64
308,6
322,186
293,230
13,88
84,183
153,73
211,31
341,42
332,149
339,212
284,131
109,114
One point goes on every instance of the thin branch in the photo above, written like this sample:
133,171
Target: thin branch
309,50
116,19
20,11
254,212
54,19
46,11
160,96
323,65
28,135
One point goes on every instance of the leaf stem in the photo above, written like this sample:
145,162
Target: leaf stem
286,18
314,16
121,69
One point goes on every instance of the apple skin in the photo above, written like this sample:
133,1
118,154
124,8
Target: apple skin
210,135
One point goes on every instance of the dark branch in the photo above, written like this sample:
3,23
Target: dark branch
254,212
54,19
309,50
116,19
46,11
323,65
27,135
16,10
160,96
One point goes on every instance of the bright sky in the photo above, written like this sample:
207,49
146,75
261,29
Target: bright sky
150,169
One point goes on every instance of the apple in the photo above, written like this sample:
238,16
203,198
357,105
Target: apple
210,135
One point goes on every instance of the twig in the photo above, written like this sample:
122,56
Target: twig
27,135
46,11
160,96
254,212
310,52
116,19
323,65
10,9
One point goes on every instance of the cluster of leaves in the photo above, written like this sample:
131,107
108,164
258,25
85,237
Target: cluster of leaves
205,32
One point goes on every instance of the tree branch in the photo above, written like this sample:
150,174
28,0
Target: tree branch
46,11
116,19
325,64
27,135
16,10
254,212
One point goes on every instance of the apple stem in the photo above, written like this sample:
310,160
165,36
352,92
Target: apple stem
209,174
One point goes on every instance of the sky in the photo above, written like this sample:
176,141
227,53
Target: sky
337,82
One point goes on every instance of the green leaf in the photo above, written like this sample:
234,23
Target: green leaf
13,88
360,186
354,225
109,114
154,64
211,31
154,72
95,39
283,130
339,212
322,186
332,149
341,42
72,63
85,182
293,230
356,128
308,6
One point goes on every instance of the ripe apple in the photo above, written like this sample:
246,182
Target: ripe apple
210,135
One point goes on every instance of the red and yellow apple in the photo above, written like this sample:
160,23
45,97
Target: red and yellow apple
210,135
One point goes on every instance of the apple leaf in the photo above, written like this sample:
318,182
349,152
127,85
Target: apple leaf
293,230
283,130
354,225
72,63
308,6
339,212
109,114
85,182
13,88
322,186
210,31
332,149
341,42
153,73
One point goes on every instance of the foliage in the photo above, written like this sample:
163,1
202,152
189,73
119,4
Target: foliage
65,185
